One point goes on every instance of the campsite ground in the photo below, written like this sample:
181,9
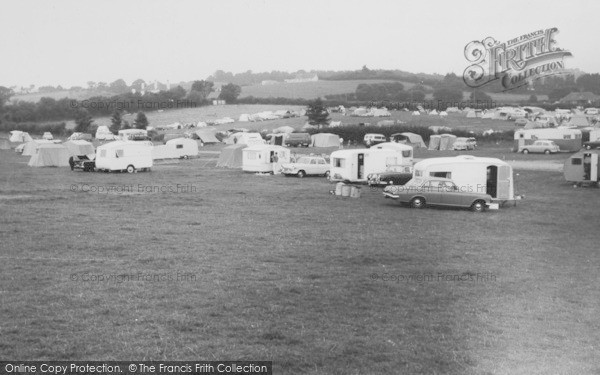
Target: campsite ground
192,262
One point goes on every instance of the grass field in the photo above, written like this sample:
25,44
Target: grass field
238,266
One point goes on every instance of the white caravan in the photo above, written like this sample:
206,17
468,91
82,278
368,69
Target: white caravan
264,158
356,164
124,156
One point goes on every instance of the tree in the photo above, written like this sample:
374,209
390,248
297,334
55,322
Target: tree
177,93
448,95
83,121
317,113
230,92
480,96
5,94
589,82
119,86
203,87
138,84
116,122
141,121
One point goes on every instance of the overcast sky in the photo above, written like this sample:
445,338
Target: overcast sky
72,42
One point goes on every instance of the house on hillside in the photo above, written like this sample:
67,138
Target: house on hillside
580,98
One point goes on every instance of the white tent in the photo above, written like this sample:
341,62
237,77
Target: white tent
471,114
244,117
231,156
413,139
103,133
79,147
245,138
30,147
19,136
50,155
201,124
284,129
446,141
325,140
443,114
434,142
433,113
416,113
48,136
380,112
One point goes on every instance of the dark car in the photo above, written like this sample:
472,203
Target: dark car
388,178
420,192
592,144
298,140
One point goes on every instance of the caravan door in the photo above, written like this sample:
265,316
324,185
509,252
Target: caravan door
594,168
503,182
360,171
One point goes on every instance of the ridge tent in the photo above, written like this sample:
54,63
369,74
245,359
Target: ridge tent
416,113
433,113
30,147
19,136
434,142
443,114
79,147
411,139
231,156
446,141
579,120
50,155
325,140
471,114
48,136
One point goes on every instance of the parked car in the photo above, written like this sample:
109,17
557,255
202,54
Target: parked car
541,146
371,139
298,140
592,144
388,178
307,166
82,162
420,192
465,144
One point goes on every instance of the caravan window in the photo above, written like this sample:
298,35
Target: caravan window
406,153
339,163
120,153
576,161
252,155
567,136
391,160
178,146
103,153
441,174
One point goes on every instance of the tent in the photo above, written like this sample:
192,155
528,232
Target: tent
284,129
533,125
206,136
103,133
579,120
416,113
471,114
19,136
521,121
446,141
30,147
325,140
231,156
434,142
50,155
411,139
245,138
443,114
433,113
489,115
79,147
380,112
244,117
4,144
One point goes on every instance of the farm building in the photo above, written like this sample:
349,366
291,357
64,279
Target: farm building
264,158
473,174
231,156
325,140
567,139
50,155
583,167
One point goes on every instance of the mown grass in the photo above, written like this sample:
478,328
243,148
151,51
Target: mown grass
282,271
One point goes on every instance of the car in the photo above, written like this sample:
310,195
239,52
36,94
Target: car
465,144
307,166
298,140
592,144
371,139
541,146
388,178
420,192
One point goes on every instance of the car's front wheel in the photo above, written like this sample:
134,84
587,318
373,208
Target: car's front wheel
301,174
417,202
478,206
327,174
547,152
526,151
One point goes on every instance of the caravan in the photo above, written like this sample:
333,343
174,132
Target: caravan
178,148
405,151
473,174
124,156
567,139
356,164
264,158
583,167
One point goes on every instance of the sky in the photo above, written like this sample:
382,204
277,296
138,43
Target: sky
73,42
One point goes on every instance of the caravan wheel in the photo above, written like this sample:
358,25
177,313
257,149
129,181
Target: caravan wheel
130,169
